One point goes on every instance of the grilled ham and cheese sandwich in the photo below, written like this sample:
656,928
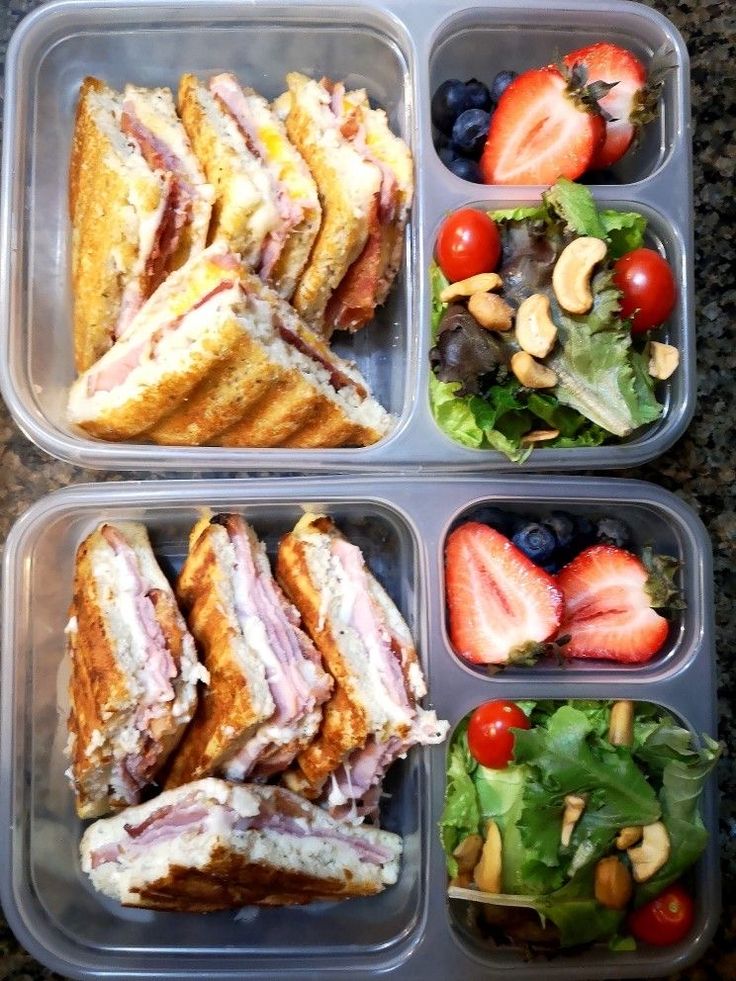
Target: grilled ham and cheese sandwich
373,716
213,845
133,684
216,357
139,206
364,174
267,684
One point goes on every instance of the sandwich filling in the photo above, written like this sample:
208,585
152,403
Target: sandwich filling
266,139
278,815
204,284
294,674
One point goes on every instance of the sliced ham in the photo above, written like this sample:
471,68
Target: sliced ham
297,683
354,301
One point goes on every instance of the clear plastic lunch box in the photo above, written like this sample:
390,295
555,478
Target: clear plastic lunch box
400,51
408,931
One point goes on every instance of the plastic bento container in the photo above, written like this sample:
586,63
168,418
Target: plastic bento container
399,50
408,931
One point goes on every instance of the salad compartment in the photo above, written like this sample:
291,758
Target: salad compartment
399,52
407,931
598,960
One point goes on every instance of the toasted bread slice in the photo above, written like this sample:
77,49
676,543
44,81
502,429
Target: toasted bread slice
150,116
347,185
287,250
246,210
215,845
180,334
239,699
110,671
115,200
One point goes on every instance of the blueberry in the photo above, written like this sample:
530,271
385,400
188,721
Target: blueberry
450,99
447,154
467,169
500,83
496,518
613,531
478,95
470,131
584,532
536,542
562,527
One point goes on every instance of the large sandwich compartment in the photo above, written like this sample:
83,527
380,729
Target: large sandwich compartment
400,55
409,930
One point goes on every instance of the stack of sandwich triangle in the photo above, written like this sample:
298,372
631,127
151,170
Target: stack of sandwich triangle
309,690
215,250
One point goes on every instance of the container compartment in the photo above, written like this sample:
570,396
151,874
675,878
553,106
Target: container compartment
650,526
478,43
360,45
676,395
597,960
57,898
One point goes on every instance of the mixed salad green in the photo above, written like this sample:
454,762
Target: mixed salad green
567,751
604,390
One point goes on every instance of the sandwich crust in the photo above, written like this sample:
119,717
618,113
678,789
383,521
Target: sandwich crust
239,698
104,241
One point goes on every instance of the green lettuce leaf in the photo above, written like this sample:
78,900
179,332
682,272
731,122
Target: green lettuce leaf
461,814
624,231
683,778
576,207
574,910
500,796
594,367
438,281
454,415
535,212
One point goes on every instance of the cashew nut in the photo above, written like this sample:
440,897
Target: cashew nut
574,807
531,373
628,836
621,726
572,272
654,850
535,331
539,436
468,852
613,885
663,359
490,311
482,283
488,872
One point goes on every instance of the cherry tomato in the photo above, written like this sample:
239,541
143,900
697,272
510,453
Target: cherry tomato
647,287
468,243
489,739
665,920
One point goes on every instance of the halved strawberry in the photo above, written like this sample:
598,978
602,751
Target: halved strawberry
608,607
629,103
544,127
501,607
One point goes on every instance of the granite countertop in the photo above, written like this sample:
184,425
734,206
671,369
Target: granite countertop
700,468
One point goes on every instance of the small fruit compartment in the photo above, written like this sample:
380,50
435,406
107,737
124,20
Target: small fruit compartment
477,45
462,354
56,898
591,560
502,938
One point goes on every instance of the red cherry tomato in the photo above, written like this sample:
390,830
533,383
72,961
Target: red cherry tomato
489,739
468,243
665,920
648,291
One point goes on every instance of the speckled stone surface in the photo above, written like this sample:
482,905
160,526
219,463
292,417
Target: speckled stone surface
701,468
